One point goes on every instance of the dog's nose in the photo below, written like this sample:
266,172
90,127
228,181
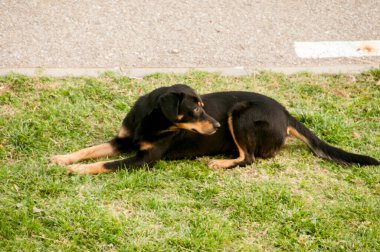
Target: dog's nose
217,125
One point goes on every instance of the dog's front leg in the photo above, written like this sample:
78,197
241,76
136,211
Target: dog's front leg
142,158
101,150
116,146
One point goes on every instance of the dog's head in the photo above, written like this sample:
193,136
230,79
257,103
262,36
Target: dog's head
182,106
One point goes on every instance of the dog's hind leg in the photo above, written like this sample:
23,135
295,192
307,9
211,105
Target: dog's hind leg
244,157
121,143
257,130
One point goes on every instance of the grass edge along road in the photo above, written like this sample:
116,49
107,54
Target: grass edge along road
294,201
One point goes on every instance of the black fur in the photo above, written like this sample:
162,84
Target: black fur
173,124
326,151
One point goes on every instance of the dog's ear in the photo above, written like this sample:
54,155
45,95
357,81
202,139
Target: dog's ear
169,104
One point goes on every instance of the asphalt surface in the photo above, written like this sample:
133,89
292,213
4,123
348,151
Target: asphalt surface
172,33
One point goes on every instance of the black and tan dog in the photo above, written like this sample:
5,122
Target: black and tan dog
176,123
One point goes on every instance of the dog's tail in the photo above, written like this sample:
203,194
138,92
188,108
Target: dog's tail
324,150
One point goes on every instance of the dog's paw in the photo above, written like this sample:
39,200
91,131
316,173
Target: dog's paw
61,160
220,164
94,168
215,164
77,168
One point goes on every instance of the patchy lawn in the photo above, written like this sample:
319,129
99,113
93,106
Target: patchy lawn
294,201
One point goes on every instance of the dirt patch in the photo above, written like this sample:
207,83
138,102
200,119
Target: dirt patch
7,110
3,88
119,208
47,85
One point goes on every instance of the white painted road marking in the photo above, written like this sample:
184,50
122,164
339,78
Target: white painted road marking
336,49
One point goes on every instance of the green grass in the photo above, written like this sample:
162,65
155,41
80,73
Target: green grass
294,201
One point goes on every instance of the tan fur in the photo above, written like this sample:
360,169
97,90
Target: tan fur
179,117
203,127
101,150
123,133
225,163
94,168
292,131
145,146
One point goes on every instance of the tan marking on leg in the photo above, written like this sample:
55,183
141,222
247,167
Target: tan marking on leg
287,140
101,150
93,168
123,133
227,163
145,146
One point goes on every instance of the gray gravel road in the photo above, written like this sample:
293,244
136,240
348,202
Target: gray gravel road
172,33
